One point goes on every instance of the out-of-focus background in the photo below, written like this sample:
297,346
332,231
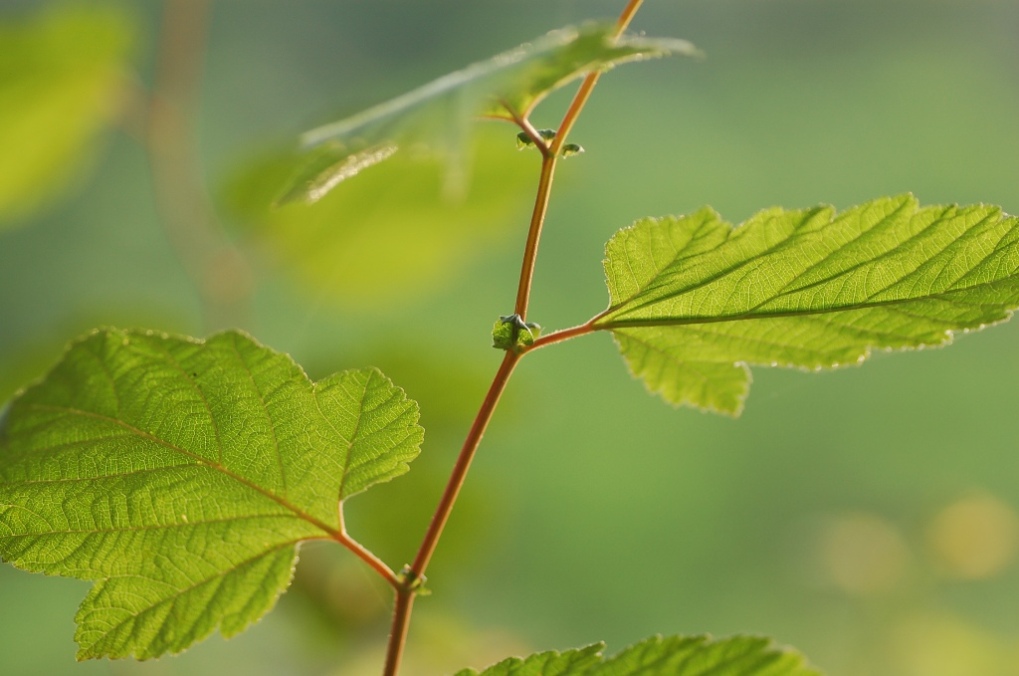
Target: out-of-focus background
867,516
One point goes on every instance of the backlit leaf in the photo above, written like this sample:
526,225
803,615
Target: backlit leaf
180,475
657,656
61,81
549,663
435,115
399,231
694,300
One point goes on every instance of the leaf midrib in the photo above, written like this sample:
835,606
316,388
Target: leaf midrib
299,513
791,241
139,529
757,314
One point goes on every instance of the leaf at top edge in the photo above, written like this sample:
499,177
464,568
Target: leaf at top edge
180,475
435,114
62,74
658,656
694,300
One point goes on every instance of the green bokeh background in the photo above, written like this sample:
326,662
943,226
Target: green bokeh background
594,511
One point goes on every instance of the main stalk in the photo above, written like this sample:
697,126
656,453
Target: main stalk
413,576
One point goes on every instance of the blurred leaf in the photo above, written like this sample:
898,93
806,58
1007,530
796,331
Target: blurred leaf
398,232
61,75
181,474
436,114
672,656
694,300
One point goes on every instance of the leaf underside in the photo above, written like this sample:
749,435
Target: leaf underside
180,475
694,300
436,115
658,656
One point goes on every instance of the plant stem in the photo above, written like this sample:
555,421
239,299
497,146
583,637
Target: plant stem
414,575
463,463
626,16
365,555
548,165
398,630
561,335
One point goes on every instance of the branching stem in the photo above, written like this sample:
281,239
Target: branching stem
409,582
549,158
561,335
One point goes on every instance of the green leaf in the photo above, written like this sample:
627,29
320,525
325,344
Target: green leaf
61,80
672,656
549,663
398,232
694,300
701,656
436,114
180,475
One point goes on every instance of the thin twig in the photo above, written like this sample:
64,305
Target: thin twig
562,335
365,554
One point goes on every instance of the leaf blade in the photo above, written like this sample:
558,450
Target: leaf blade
668,656
435,114
807,289
400,231
548,663
180,475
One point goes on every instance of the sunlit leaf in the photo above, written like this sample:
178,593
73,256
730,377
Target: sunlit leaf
61,81
657,656
549,663
180,475
399,231
694,300
436,114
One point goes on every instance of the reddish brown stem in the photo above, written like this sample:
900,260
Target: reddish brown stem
561,335
528,129
365,555
626,16
548,163
587,86
398,630
413,576
463,463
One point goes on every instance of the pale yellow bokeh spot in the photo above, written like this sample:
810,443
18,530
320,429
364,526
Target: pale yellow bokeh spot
975,537
944,645
862,554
